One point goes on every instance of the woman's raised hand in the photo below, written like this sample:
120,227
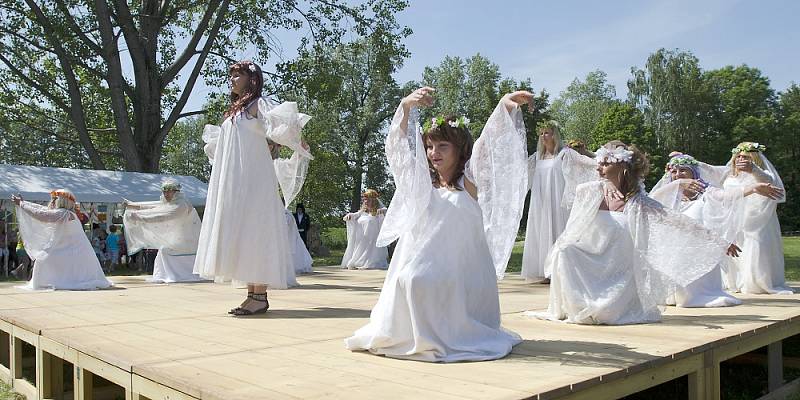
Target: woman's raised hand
518,98
767,190
422,97
16,198
691,187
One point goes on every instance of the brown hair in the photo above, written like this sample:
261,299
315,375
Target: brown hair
633,173
251,93
460,138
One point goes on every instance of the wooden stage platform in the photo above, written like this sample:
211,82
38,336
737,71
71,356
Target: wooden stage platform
146,341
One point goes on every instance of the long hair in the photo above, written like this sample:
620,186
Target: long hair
461,140
556,128
753,155
253,90
633,172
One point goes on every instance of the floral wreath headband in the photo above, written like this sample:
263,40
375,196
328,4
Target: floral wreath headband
680,160
619,154
370,194
60,193
749,148
575,143
436,122
170,185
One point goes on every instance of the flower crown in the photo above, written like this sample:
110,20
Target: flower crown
748,147
370,194
575,143
60,193
170,185
681,159
460,122
252,67
619,154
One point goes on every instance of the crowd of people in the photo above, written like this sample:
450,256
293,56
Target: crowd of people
611,251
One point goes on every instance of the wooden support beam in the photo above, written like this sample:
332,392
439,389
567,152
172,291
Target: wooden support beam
775,365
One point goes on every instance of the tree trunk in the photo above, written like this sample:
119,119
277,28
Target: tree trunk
358,179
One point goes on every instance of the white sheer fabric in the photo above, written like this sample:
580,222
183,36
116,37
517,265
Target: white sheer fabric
64,257
301,257
172,227
235,243
362,234
552,184
719,211
760,267
596,269
439,300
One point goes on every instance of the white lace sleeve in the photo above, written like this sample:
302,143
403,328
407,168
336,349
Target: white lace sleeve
677,247
577,169
291,174
723,211
531,170
714,174
211,137
499,166
283,123
408,163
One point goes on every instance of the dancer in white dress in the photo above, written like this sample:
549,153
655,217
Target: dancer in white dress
363,227
244,235
54,237
684,189
439,300
760,269
618,258
170,225
554,172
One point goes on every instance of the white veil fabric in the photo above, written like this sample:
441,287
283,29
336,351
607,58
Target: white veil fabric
64,257
499,170
171,226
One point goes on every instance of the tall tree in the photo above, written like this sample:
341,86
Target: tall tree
676,101
351,87
67,59
579,108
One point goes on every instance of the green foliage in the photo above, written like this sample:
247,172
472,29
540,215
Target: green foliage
183,150
580,107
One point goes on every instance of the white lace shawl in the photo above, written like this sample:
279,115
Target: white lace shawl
497,168
173,226
41,227
670,248
282,124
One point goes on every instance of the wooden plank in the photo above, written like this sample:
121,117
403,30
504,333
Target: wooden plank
155,391
774,365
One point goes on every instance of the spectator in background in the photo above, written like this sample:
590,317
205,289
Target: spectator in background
112,245
11,240
3,247
303,222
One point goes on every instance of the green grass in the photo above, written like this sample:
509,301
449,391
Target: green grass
791,253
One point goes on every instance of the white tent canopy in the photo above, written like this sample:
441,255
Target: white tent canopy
92,186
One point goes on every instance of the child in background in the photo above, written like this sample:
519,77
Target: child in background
112,245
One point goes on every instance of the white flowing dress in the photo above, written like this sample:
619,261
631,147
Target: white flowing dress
244,236
760,267
439,300
552,186
619,267
300,256
172,227
719,211
64,257
362,234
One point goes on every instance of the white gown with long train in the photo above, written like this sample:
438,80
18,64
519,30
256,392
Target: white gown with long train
619,267
548,208
244,236
64,257
300,256
172,227
439,300
362,234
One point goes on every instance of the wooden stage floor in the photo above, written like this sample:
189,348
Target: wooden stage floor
177,341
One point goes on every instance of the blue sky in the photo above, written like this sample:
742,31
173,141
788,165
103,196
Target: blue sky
554,42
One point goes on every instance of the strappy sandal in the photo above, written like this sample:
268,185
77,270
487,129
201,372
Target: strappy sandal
261,298
234,310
